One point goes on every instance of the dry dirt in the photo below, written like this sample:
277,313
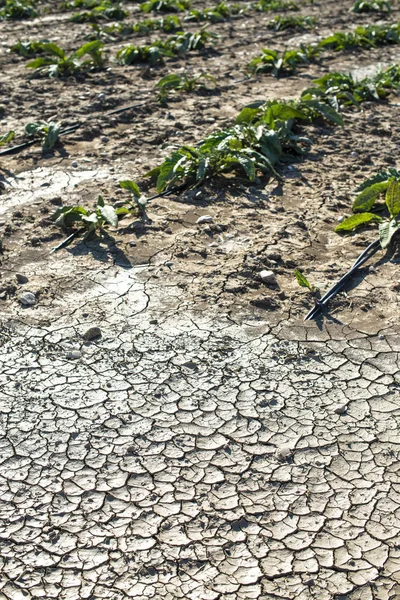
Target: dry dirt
209,445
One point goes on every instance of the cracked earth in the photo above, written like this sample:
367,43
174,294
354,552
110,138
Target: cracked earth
208,445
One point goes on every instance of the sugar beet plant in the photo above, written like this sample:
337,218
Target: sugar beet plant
366,6
262,133
369,36
165,6
18,9
368,199
181,43
56,63
47,132
107,11
280,23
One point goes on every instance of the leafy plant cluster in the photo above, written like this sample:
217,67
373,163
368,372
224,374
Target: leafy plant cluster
388,184
29,48
220,12
93,221
180,82
280,23
56,63
48,132
272,61
270,5
107,11
178,44
165,6
168,24
262,133
18,9
342,88
366,6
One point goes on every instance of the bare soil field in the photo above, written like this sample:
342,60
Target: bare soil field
205,444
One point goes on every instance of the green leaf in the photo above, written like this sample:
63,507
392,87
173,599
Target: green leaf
100,200
6,138
32,128
366,200
52,48
247,115
169,81
302,279
51,137
325,110
356,220
387,231
109,214
39,62
393,198
88,48
131,186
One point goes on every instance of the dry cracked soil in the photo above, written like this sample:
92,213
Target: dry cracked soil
208,444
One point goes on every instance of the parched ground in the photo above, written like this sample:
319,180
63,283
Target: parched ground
209,445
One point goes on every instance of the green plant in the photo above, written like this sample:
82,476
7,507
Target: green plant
165,6
269,5
180,82
18,9
217,14
280,23
105,11
91,221
29,48
272,61
136,203
169,24
364,6
6,138
364,37
303,281
58,64
48,132
365,202
173,46
89,4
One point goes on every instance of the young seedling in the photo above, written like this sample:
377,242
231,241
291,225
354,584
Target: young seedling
48,132
137,203
18,9
56,63
303,281
180,82
280,23
89,221
272,61
365,6
365,202
6,138
105,11
269,5
165,6
217,14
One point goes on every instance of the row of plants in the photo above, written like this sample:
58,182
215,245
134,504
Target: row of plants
369,36
55,62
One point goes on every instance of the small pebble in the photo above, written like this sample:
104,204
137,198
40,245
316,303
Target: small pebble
105,139
169,263
74,164
28,299
101,97
204,219
268,277
341,219
372,269
21,278
132,243
355,154
341,409
92,333
74,354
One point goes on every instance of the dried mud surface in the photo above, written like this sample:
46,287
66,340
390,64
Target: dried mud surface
209,445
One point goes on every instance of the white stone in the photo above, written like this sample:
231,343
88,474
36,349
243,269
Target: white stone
204,219
268,277
74,354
